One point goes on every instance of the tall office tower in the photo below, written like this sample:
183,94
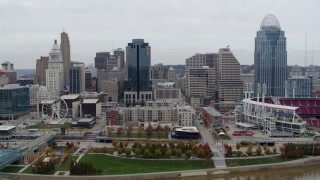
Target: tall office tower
230,85
8,70
199,61
65,49
120,52
77,78
54,73
41,67
138,85
270,57
7,66
90,73
101,60
113,62
201,82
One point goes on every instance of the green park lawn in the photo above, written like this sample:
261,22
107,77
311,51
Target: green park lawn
65,166
114,165
143,135
255,161
11,169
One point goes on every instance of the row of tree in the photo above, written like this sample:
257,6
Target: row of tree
292,150
249,151
159,149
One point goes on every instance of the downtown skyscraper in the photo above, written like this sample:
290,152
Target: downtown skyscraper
138,62
65,49
270,57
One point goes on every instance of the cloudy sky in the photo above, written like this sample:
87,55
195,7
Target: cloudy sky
175,29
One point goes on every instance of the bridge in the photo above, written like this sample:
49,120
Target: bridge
8,156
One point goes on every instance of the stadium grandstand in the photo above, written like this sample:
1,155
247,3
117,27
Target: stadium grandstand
280,116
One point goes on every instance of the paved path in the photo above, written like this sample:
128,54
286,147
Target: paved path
218,156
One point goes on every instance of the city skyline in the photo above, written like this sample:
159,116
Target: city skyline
190,27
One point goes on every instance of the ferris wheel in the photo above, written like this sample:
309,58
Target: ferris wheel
54,110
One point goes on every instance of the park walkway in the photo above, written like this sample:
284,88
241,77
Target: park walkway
218,155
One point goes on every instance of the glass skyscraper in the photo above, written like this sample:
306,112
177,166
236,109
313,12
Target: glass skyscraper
138,63
270,57
138,66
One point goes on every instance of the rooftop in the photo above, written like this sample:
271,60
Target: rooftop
212,111
90,101
188,129
70,96
6,128
270,22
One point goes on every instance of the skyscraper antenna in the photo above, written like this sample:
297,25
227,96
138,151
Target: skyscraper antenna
63,30
112,47
305,51
312,53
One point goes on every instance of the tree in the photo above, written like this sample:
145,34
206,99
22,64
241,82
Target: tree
136,144
181,144
137,152
128,152
110,130
147,153
148,144
171,144
149,131
189,153
125,143
119,151
274,149
239,153
159,143
201,153
192,143
158,153
166,129
139,130
159,129
238,145
168,153
44,168
267,151
258,151
115,143
129,131
119,131
178,152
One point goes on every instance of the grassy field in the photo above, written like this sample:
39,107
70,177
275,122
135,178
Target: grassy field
28,170
11,169
255,161
143,135
114,165
65,166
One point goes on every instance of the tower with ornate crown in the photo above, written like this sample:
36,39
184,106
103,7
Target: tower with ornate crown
54,73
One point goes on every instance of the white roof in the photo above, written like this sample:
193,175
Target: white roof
6,128
70,96
246,125
188,129
47,102
275,106
90,101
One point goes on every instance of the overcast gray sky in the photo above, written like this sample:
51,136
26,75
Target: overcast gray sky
175,29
